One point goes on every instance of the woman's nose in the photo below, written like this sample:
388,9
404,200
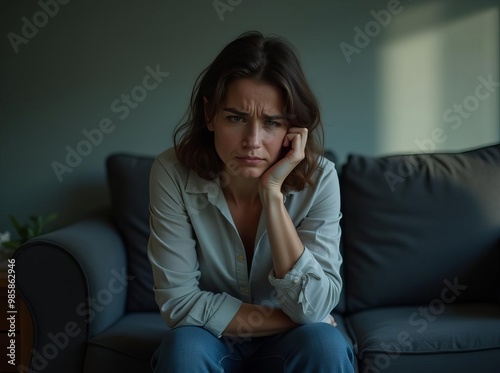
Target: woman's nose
252,136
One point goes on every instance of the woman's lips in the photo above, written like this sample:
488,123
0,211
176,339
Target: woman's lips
250,160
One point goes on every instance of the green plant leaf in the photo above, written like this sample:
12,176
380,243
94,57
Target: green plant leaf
33,228
11,244
15,223
31,233
38,225
50,218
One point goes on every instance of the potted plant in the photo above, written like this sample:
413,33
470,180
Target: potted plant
34,227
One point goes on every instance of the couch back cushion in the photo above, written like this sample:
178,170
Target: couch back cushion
421,229
128,181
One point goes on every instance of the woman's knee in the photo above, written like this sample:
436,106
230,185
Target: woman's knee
326,344
188,339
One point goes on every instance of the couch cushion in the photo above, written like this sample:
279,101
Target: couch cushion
427,338
128,180
127,346
415,225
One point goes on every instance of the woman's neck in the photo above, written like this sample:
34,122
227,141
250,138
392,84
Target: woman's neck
242,191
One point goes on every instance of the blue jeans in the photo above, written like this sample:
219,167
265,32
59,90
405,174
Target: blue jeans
310,348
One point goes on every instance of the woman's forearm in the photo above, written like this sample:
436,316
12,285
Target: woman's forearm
286,246
253,320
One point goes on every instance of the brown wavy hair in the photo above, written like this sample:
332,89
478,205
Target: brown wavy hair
270,59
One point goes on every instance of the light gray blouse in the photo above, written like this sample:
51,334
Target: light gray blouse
199,262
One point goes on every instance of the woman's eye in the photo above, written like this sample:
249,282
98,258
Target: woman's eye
273,123
235,118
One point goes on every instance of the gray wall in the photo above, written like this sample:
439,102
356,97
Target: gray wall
399,91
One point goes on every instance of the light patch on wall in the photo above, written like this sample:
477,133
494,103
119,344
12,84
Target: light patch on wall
428,97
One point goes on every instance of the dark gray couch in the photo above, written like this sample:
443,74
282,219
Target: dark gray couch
421,246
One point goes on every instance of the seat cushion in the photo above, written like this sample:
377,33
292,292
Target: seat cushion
127,346
412,224
128,180
430,338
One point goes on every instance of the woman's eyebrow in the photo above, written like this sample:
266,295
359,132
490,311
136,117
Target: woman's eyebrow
234,111
244,114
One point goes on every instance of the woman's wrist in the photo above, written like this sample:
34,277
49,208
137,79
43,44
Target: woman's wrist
258,321
270,196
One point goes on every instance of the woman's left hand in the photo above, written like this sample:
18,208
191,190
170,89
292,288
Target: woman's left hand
273,178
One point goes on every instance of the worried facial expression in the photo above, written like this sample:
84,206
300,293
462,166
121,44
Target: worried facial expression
249,127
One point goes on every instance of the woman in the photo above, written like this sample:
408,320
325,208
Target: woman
245,215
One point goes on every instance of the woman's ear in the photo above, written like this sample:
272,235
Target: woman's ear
208,122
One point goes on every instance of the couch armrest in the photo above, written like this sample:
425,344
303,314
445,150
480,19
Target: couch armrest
75,284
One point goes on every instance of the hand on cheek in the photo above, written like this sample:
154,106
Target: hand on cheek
295,140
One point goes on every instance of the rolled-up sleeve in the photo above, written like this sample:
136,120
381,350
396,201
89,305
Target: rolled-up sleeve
173,257
311,289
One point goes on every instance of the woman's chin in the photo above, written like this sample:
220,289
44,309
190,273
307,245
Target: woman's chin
249,173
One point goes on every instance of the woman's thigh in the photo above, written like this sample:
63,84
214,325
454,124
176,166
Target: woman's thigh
194,349
317,347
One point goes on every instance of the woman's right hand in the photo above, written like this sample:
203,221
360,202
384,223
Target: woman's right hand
330,320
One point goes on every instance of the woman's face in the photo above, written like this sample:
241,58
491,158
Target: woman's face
249,127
